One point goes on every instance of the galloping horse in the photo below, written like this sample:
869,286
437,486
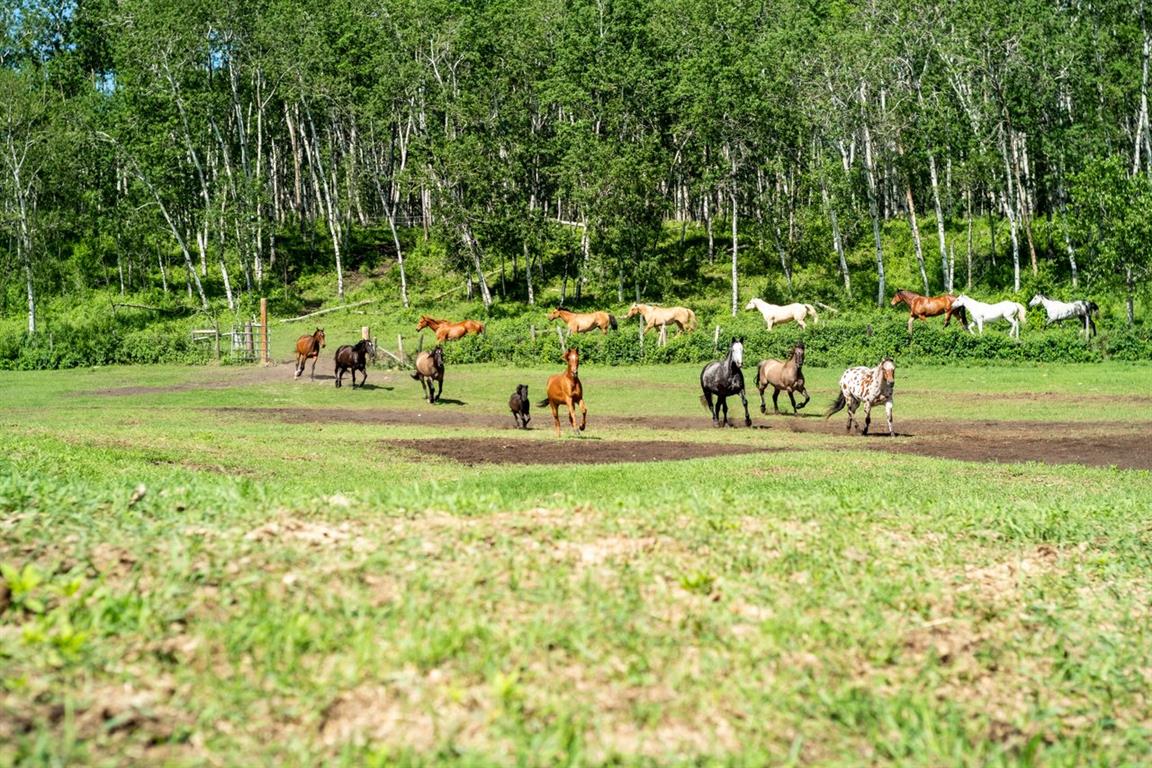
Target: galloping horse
446,330
682,317
723,378
352,358
774,313
520,406
430,368
565,388
783,376
1063,310
309,347
1012,311
580,322
924,307
869,386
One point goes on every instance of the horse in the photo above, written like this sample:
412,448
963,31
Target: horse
565,388
682,317
774,313
520,405
430,368
309,347
787,376
1063,310
581,322
352,358
1012,311
723,378
924,307
446,330
869,386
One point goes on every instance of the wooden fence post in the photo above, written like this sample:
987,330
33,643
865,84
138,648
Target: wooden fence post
400,346
264,357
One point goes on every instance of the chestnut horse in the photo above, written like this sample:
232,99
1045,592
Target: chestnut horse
309,347
565,389
924,307
682,317
446,330
581,322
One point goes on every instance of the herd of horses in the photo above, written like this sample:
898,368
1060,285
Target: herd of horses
859,386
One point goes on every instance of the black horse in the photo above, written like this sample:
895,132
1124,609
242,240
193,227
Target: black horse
520,405
353,358
723,378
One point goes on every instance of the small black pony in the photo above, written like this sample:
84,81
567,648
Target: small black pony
353,358
520,406
723,378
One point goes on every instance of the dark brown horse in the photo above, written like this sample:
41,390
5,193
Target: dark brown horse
309,347
520,406
429,369
787,376
565,389
353,358
446,330
924,307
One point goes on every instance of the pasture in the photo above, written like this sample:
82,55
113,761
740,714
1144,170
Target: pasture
230,566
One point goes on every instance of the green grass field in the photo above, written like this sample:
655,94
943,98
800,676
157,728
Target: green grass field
193,578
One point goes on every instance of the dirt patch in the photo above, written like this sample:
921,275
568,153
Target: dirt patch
494,451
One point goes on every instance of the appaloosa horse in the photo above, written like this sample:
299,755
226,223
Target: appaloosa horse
787,376
352,358
309,347
429,369
870,386
722,378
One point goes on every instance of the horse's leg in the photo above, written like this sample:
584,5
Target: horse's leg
583,415
571,406
910,318
439,387
776,394
888,413
744,402
867,415
800,322
363,377
853,404
792,400
340,375
555,406
722,402
312,375
807,397
763,405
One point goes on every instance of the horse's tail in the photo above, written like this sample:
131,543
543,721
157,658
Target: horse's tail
704,402
812,311
416,374
543,403
1023,312
612,321
1092,307
841,401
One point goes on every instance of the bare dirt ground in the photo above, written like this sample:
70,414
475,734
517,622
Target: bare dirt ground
1127,445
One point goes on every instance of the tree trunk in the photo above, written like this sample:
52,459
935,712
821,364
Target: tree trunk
917,244
873,208
1130,289
939,223
735,247
837,242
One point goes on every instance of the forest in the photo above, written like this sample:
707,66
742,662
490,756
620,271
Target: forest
202,153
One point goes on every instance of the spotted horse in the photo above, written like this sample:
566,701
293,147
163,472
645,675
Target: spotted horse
867,386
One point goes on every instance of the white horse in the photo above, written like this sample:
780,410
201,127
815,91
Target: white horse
1012,311
1063,310
774,313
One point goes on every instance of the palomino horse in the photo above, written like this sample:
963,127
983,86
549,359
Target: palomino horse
787,376
430,368
580,322
1012,311
309,347
681,317
924,307
869,386
446,330
352,358
1064,310
723,378
775,314
520,406
565,389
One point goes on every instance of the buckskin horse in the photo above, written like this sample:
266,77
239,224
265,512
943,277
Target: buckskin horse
787,376
722,378
446,330
565,389
924,307
429,369
581,322
870,386
309,347
352,358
